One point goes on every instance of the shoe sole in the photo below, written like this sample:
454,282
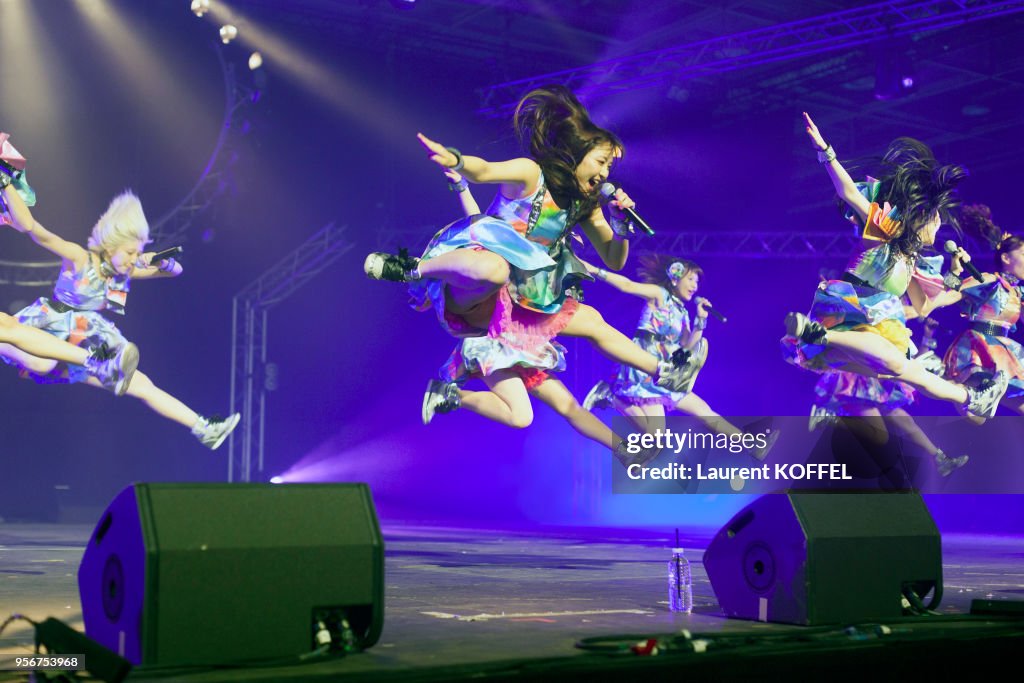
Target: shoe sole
373,266
953,467
794,325
591,398
700,354
424,415
129,363
234,420
991,411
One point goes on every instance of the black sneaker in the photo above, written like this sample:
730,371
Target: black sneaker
439,398
641,457
114,371
398,267
799,326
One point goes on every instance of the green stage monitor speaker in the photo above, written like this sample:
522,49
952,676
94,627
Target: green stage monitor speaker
207,574
825,558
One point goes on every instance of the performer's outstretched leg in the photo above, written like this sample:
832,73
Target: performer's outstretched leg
694,405
557,395
590,325
39,352
211,431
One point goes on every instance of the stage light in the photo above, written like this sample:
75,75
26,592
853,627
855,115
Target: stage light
228,33
255,61
276,480
200,7
403,4
894,74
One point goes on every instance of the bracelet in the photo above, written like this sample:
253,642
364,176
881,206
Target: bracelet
167,264
952,281
700,323
461,186
826,155
621,227
601,274
459,161
5,180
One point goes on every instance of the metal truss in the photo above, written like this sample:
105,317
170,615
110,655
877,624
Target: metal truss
28,273
749,244
803,38
252,376
172,227
753,244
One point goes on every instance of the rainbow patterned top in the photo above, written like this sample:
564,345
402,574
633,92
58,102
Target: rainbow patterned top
666,319
89,290
879,264
539,210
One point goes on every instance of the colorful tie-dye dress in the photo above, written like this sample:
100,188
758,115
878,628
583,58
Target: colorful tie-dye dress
847,393
867,299
479,357
994,309
73,315
663,326
532,234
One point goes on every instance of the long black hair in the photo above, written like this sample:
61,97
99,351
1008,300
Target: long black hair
557,132
919,187
977,220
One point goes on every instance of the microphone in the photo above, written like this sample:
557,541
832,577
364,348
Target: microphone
714,312
608,193
161,256
951,248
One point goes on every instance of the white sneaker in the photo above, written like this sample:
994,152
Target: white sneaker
114,373
212,431
946,464
983,400
677,375
820,416
599,396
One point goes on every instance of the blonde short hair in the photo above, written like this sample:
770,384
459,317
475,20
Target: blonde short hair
122,222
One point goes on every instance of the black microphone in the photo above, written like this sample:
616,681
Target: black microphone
714,312
608,193
951,248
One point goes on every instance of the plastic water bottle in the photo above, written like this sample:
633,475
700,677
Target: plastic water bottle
680,584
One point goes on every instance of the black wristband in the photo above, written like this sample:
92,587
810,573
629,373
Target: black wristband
458,159
459,186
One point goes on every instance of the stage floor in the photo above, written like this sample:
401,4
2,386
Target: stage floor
472,596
